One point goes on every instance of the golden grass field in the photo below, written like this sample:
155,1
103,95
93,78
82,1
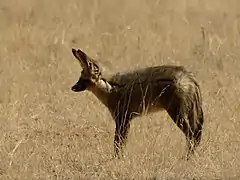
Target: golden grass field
49,132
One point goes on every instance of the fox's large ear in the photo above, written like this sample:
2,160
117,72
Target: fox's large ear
82,58
86,62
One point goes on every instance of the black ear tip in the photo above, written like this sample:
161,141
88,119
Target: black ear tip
74,50
80,51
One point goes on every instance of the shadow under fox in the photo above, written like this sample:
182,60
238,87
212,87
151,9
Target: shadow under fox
146,90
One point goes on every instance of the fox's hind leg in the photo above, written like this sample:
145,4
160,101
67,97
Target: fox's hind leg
180,118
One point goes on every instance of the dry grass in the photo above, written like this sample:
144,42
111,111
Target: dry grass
49,132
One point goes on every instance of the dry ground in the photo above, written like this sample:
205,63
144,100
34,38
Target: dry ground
49,132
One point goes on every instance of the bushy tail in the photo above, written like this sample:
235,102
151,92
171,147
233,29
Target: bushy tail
190,110
199,118
195,116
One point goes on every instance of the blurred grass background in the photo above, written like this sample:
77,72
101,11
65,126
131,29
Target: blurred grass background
49,132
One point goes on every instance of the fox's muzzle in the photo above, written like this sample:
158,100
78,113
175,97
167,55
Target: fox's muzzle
78,88
81,85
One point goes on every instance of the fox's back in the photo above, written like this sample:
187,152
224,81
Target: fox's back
149,74
149,87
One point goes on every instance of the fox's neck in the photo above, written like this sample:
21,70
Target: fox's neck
104,85
102,90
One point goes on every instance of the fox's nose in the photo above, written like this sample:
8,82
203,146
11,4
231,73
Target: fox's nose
79,87
74,88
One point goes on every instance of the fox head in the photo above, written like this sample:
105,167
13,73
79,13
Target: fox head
90,73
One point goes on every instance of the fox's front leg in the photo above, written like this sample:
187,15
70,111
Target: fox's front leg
120,138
